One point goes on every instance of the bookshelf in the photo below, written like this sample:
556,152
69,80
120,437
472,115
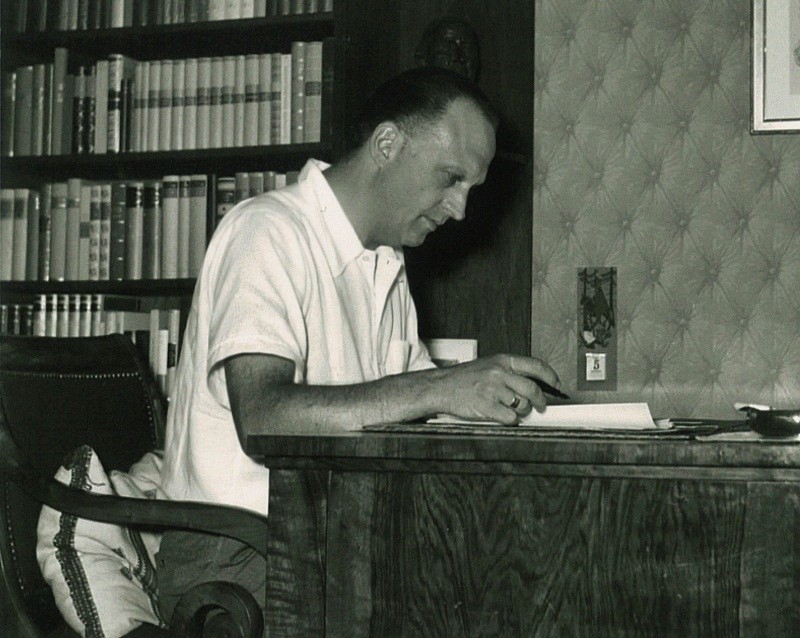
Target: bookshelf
160,43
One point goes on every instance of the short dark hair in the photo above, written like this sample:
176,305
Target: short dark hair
415,97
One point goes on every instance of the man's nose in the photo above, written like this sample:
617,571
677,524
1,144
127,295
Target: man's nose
456,206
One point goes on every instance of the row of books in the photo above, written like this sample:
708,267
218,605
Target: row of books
78,15
81,230
155,332
123,105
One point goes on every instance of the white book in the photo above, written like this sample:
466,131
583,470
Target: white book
203,103
190,105
165,106
62,316
250,120
169,227
228,107
264,97
216,9
85,313
162,356
312,122
117,13
101,108
136,117
153,105
184,225
198,192
239,90
178,100
143,91
215,102
248,9
233,9
298,91
286,98
74,316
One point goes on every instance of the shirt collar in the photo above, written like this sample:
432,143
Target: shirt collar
345,246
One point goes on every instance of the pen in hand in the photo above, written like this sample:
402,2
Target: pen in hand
548,389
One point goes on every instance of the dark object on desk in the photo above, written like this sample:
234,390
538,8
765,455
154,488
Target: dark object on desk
57,394
768,422
548,389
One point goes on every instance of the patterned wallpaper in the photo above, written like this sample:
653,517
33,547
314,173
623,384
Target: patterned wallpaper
643,160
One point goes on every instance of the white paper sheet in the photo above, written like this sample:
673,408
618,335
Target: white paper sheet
587,416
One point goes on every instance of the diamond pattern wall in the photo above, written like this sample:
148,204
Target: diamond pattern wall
643,160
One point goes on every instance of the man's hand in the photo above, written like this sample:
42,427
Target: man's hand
497,388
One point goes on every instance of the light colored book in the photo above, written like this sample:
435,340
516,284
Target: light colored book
169,230
173,344
6,233
101,107
313,93
74,320
178,104
286,98
198,200
203,103
233,9
141,136
238,97
165,106
45,231
58,234
62,315
275,98
134,229
104,264
215,107
250,119
227,138
216,9
184,225
37,108
247,9
264,98
189,141
152,229
153,105
298,83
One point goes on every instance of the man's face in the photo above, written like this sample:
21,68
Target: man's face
427,183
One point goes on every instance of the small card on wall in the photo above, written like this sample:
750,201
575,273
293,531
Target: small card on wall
448,352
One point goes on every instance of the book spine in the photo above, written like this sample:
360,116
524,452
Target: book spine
275,98
78,114
313,93
95,216
241,186
8,104
72,266
88,111
260,8
20,230
215,102
6,233
62,315
298,83
239,97
248,9
198,201
59,87
118,246
184,225
264,98
256,182
134,230
117,13
101,107
189,139
153,105
69,107
151,231
250,119
37,109
49,88
45,232
114,104
97,314
85,315
165,106
286,98
226,100
104,263
329,53
225,198
33,214
203,103
58,239
40,316
178,104
169,234
84,241
23,105
74,316
216,9
173,336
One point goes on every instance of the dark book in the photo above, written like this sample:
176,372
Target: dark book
116,247
57,107
151,230
83,15
327,114
78,113
45,232
7,120
47,133
32,252
73,250
69,92
21,17
23,107
88,111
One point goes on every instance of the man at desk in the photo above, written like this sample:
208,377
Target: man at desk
302,320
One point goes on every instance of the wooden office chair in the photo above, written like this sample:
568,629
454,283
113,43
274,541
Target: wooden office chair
57,394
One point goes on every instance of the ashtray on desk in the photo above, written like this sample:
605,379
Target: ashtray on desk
765,421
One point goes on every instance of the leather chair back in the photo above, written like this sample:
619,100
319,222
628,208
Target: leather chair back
55,395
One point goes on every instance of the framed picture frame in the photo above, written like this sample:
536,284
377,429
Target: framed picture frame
775,71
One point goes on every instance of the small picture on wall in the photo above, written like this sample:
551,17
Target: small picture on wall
776,66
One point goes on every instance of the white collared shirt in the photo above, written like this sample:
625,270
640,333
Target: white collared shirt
284,274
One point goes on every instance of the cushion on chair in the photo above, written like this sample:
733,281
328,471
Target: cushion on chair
102,575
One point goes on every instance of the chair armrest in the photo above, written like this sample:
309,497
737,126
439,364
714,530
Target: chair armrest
217,609
234,522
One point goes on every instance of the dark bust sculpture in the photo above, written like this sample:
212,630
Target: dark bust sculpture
450,43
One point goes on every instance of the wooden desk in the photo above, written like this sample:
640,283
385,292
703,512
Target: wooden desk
437,535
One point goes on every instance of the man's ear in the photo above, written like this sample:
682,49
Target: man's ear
385,143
